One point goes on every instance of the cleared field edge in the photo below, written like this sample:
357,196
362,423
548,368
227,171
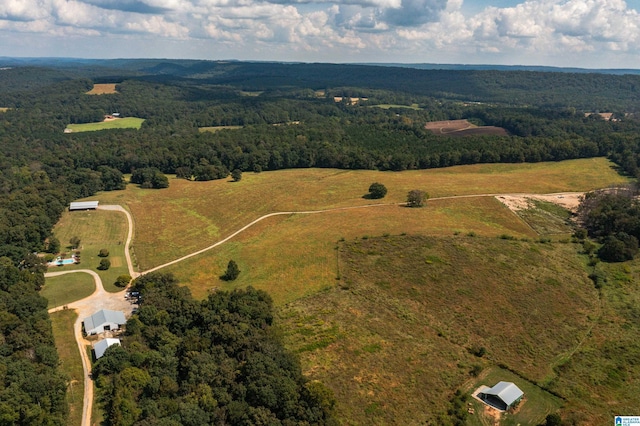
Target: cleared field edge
70,361
103,89
120,123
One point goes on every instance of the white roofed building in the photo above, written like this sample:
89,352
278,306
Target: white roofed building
502,396
101,346
83,205
103,320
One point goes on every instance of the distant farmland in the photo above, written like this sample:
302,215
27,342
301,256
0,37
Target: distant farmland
463,128
4,109
120,123
103,89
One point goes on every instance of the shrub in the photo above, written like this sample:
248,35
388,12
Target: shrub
377,190
232,271
122,281
416,198
103,253
104,264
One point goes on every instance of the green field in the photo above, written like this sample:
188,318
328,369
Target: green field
96,229
121,123
68,288
415,107
213,129
70,361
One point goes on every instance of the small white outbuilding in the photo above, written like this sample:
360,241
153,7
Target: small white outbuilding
101,346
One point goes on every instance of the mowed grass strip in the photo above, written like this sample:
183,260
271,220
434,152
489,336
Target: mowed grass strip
120,123
394,338
103,89
70,362
294,256
64,289
96,229
189,216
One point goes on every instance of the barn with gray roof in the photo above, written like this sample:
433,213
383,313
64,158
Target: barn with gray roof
103,320
503,396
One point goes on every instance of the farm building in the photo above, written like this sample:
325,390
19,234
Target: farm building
503,395
103,320
101,346
83,205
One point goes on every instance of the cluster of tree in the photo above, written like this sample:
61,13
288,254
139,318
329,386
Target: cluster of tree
215,361
149,177
612,217
32,391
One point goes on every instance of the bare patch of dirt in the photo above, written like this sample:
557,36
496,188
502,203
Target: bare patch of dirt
462,128
517,202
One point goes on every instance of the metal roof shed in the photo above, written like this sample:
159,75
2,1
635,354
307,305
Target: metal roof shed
103,320
83,205
101,346
503,395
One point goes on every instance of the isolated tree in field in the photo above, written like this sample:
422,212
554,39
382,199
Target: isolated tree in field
377,190
103,252
122,280
75,242
104,264
232,271
236,175
417,198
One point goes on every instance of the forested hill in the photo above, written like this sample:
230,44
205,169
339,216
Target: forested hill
590,91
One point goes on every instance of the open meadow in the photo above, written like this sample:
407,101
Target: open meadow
413,318
103,89
68,288
4,109
119,123
97,229
389,319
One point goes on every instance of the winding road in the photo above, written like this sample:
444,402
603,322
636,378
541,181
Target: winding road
101,299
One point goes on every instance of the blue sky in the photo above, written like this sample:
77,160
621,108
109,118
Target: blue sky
576,33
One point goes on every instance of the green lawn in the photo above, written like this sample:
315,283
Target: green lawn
214,129
70,361
121,123
65,289
96,229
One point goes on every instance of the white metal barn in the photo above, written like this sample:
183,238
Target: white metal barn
503,395
83,205
103,320
101,346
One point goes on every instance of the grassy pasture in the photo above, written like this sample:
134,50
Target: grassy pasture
96,229
392,339
4,109
213,129
120,123
547,218
70,361
65,289
189,216
103,89
415,107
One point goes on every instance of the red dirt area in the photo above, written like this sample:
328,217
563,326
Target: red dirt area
463,128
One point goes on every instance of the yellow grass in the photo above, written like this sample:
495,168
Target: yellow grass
97,229
70,362
103,89
4,109
189,216
213,129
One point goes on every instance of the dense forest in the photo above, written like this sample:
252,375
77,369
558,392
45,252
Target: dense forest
185,362
284,116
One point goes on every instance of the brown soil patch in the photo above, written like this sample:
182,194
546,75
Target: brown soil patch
111,118
463,128
103,89
516,202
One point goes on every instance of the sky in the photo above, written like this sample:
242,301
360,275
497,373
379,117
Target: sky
565,33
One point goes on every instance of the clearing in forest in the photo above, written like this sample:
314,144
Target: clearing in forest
463,128
213,129
103,89
119,123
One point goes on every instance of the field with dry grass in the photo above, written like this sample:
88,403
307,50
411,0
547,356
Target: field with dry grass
103,89
396,336
463,128
189,216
